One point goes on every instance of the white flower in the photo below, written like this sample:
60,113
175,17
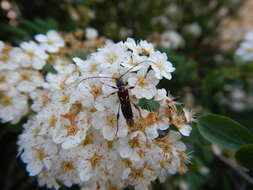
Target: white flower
143,48
171,40
28,80
33,55
133,147
9,57
161,94
185,130
8,80
140,176
194,29
249,36
111,55
70,129
50,42
66,75
41,98
65,167
109,124
47,178
134,62
13,106
41,154
161,66
89,67
188,115
144,84
245,51
91,33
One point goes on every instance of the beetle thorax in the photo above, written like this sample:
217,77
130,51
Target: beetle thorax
120,83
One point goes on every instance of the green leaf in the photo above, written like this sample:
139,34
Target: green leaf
150,105
245,156
48,68
224,131
194,180
79,53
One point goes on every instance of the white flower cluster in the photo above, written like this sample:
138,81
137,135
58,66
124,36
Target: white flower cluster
20,73
245,51
86,134
23,71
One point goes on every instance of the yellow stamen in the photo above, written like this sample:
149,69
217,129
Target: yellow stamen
134,142
137,174
2,79
141,82
40,154
111,58
25,76
94,160
96,91
6,101
52,121
4,58
67,166
111,120
64,99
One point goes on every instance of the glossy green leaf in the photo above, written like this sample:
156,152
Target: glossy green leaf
224,131
245,156
150,105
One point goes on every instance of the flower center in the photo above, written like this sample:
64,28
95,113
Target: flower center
67,166
2,79
25,76
6,101
50,42
30,54
165,162
142,82
52,121
134,142
4,58
111,120
88,140
94,160
72,130
65,99
160,66
93,68
45,99
111,58
96,91
40,154
113,187
144,52
166,147
137,174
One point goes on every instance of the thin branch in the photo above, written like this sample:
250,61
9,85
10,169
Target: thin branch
239,170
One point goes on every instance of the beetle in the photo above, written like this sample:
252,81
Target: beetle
123,95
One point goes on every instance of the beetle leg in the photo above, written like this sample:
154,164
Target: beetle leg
114,87
110,94
117,121
138,109
130,87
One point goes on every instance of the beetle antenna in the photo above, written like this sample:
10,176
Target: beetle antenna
135,66
94,78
